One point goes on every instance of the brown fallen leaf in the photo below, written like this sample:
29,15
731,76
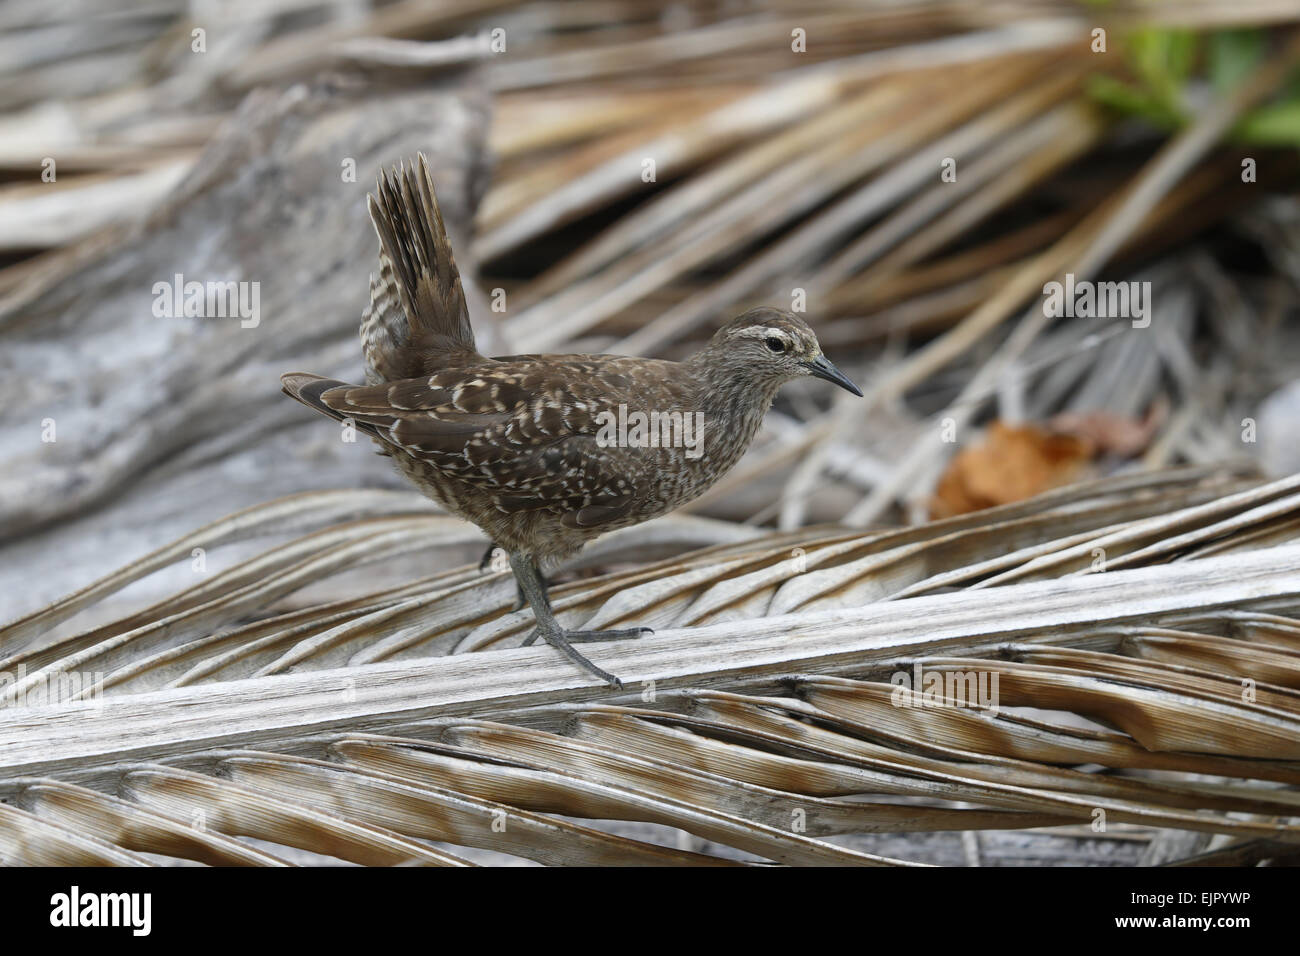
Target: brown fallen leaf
1012,463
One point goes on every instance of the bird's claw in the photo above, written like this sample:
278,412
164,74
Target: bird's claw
563,641
594,637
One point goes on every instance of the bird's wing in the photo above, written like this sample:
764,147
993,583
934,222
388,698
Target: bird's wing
417,312
527,433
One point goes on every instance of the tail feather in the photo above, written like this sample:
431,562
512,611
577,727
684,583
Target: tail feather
311,390
308,389
417,273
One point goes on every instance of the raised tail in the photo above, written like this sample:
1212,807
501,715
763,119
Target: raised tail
418,318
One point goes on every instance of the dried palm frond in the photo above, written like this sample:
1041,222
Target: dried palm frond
1121,656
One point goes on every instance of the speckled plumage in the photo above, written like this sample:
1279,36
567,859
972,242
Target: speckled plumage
513,443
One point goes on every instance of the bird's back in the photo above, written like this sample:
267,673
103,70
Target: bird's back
564,447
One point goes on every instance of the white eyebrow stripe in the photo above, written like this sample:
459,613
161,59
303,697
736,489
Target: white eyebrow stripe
762,331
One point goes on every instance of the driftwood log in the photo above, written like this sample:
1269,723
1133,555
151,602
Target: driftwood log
159,424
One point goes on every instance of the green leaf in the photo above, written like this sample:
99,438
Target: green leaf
1274,125
1232,55
1163,59
1132,101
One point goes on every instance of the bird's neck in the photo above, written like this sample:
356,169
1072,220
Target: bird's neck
730,382
731,397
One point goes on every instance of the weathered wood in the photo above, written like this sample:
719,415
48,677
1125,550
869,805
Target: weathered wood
77,740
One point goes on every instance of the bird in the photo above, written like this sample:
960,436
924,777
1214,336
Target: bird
531,448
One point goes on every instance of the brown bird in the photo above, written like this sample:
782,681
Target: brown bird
544,452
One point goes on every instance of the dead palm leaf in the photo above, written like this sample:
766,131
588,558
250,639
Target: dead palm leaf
776,717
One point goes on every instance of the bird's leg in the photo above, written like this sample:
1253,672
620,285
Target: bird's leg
533,586
485,564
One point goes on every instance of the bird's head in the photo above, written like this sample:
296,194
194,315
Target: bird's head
772,347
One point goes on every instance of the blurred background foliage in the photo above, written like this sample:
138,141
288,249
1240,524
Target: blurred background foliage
1167,66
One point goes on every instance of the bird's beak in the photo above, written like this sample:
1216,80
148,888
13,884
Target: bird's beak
822,367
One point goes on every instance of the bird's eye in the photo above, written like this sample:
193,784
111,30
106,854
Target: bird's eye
775,344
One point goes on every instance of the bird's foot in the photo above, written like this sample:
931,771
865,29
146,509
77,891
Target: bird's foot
618,634
563,642
595,637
